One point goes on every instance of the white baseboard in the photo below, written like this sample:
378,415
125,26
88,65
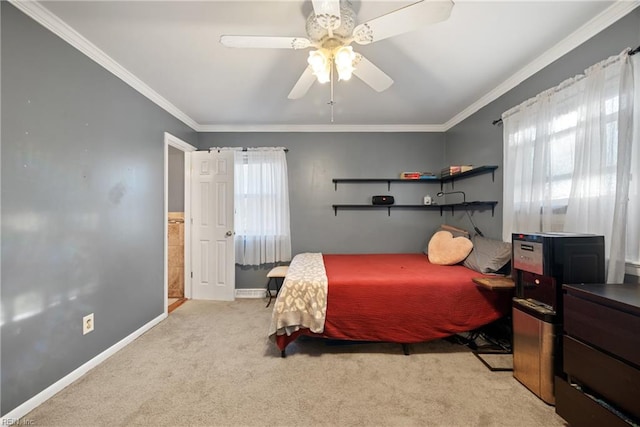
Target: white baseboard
251,293
11,417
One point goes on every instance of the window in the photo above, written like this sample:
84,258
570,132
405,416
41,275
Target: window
567,160
261,207
549,150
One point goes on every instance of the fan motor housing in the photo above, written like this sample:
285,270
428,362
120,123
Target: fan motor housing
317,33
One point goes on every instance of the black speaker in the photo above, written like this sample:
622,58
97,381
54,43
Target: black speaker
382,200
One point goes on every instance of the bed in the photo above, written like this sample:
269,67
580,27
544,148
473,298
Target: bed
398,298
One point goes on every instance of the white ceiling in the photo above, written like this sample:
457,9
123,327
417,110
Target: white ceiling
442,73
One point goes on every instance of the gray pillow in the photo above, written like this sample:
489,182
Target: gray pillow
488,255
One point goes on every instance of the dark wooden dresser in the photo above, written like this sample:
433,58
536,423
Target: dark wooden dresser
600,382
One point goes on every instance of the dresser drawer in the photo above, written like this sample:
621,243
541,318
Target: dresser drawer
580,410
615,381
616,331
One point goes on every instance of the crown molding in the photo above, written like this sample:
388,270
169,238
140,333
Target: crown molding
607,17
47,19
321,128
54,24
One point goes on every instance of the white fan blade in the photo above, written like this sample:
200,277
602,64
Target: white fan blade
403,20
303,85
268,42
370,74
327,13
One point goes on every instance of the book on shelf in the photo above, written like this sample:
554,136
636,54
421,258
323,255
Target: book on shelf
410,175
455,169
428,175
418,175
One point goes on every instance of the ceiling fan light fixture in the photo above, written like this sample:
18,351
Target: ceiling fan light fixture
344,58
331,29
320,65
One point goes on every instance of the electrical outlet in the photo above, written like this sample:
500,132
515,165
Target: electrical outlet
87,324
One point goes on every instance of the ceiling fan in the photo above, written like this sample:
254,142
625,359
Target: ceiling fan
330,31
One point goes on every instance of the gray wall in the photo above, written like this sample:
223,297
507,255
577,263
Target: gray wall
82,207
175,200
477,141
314,159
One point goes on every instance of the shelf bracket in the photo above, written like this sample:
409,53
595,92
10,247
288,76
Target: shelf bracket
389,211
335,183
335,211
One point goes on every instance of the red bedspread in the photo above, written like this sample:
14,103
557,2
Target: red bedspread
403,298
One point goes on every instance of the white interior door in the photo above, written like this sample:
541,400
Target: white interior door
213,254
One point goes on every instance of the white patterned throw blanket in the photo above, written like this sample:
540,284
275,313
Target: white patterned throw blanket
302,300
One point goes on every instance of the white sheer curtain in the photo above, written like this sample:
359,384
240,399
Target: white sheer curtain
633,226
600,190
567,158
538,159
261,207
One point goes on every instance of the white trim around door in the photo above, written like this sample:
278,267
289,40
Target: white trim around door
186,148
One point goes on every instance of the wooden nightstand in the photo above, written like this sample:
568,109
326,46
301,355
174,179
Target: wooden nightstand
495,283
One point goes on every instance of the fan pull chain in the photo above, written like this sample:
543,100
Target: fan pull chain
331,82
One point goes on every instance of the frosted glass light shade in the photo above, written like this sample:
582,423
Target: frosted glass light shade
320,65
344,57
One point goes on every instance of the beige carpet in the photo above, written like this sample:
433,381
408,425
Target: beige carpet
210,363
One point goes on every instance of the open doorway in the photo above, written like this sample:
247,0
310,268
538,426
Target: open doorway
177,231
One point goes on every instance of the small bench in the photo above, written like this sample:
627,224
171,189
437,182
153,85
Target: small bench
273,275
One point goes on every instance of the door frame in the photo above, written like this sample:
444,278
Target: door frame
186,148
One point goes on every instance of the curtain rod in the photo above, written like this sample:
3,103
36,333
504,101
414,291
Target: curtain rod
286,150
631,53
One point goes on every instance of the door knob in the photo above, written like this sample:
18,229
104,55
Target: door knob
229,233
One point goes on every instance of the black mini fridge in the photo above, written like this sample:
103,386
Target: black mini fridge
542,263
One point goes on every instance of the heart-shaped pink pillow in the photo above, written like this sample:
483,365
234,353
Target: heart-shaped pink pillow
444,249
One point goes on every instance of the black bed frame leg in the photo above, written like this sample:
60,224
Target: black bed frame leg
283,354
405,349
